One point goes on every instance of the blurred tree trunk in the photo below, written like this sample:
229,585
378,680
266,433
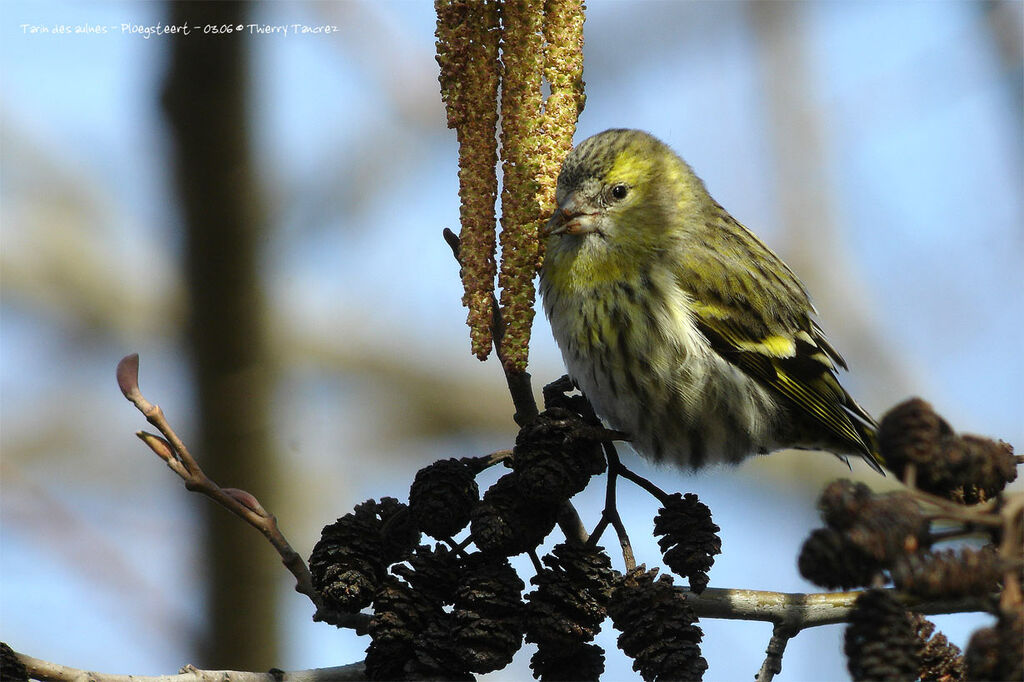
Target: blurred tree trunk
205,98
1005,21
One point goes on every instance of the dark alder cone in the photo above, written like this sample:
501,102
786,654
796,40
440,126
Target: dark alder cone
912,433
442,496
565,612
948,574
885,527
351,558
560,612
399,535
880,642
573,663
842,501
412,636
557,395
967,468
488,613
689,539
436,655
506,523
940,660
658,627
555,456
829,559
891,526
11,667
567,609
982,658
399,614
990,465
432,573
586,566
997,653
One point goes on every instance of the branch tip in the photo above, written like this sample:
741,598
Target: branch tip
453,242
128,377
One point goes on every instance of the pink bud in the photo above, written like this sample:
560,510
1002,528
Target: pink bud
247,500
157,444
128,376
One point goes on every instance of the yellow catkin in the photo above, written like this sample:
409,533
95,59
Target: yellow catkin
539,40
542,40
522,54
467,52
563,70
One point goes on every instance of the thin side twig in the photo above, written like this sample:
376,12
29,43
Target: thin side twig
772,666
173,451
571,525
1010,550
647,485
611,511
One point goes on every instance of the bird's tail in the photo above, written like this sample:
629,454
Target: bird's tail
869,444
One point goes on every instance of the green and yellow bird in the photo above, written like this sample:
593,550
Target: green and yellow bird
682,328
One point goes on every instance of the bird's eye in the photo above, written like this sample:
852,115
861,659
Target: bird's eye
619,192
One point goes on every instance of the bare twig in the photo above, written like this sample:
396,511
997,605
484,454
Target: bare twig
1010,549
981,514
176,455
647,485
772,666
571,524
498,456
54,672
459,548
519,386
611,511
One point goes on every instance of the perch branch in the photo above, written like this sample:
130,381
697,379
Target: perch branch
801,611
794,611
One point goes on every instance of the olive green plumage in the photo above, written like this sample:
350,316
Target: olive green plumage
681,326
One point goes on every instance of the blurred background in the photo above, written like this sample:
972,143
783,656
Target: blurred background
306,337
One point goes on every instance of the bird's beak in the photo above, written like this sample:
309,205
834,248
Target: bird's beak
573,216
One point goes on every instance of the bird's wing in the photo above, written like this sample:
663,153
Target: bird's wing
777,343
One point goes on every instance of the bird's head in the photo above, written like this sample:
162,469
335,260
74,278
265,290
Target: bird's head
620,195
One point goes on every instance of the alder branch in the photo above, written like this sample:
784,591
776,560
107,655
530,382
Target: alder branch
172,450
54,672
806,610
792,611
